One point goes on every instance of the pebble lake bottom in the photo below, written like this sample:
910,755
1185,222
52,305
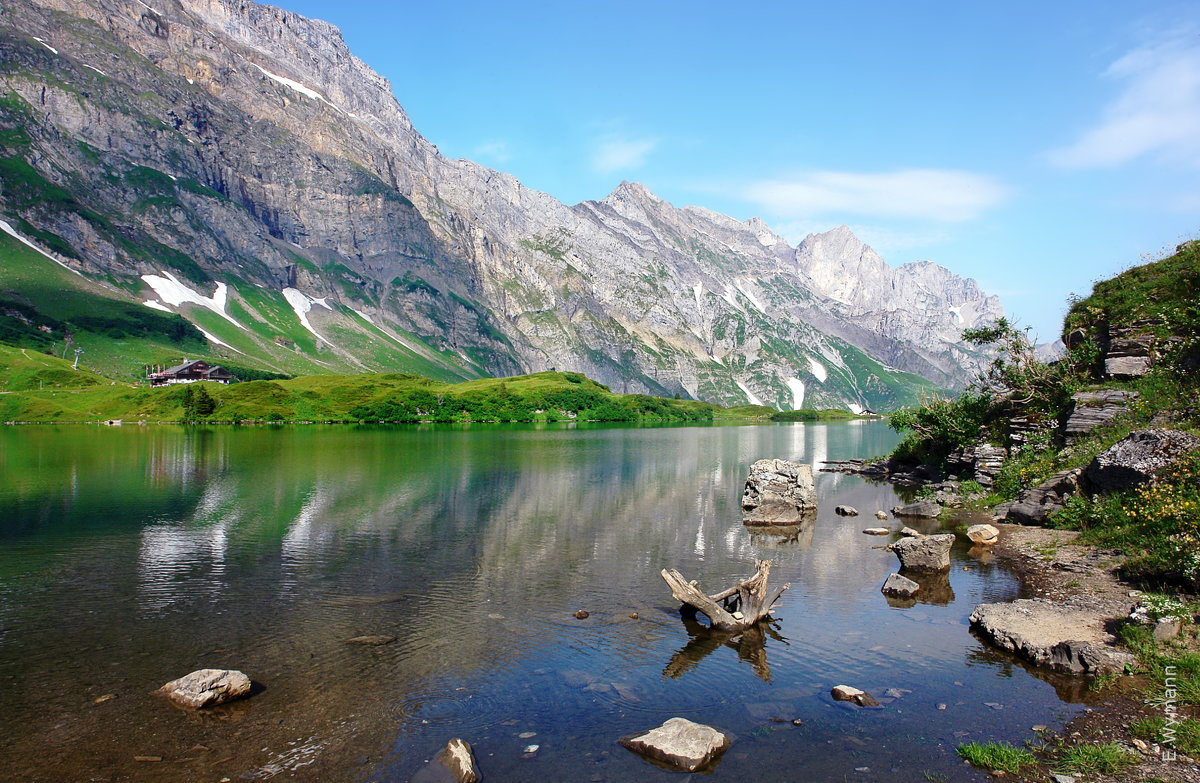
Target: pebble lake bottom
131,556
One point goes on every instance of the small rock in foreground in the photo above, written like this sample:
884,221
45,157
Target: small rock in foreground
878,531
206,688
855,695
899,585
680,743
983,534
881,514
454,763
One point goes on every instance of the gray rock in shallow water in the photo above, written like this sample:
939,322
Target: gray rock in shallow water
908,532
1138,457
454,763
371,640
926,553
1070,636
924,508
206,688
846,511
877,531
983,534
855,695
881,514
778,492
899,585
680,743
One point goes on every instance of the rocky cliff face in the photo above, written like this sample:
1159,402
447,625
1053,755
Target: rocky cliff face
236,164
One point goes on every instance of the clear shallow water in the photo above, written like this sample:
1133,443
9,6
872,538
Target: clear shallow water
131,556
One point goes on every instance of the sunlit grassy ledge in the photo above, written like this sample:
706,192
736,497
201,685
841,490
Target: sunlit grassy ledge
37,388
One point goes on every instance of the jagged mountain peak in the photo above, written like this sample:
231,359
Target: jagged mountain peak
274,165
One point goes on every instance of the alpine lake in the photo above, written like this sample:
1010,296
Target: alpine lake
130,556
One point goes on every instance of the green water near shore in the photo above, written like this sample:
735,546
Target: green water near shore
130,556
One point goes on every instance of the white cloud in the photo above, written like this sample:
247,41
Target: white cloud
927,194
1157,112
621,154
494,150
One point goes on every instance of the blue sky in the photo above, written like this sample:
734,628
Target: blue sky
1037,147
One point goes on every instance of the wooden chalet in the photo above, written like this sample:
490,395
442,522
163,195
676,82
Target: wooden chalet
190,372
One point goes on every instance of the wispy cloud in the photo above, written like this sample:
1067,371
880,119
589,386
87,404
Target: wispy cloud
493,150
619,153
926,194
1156,112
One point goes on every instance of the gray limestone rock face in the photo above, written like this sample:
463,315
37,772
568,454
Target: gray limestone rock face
778,492
1035,505
1093,409
900,585
206,688
926,553
1137,458
1067,636
681,744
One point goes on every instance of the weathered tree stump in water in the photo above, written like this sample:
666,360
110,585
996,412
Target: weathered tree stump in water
735,609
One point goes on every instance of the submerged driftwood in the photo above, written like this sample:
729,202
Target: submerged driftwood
735,609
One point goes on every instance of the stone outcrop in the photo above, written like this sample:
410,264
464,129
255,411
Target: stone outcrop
926,553
455,763
1137,458
1034,506
1091,409
1069,636
681,744
900,586
778,492
206,688
983,462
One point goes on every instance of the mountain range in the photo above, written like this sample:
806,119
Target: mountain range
226,179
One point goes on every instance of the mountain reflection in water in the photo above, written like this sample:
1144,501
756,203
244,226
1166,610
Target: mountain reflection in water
130,556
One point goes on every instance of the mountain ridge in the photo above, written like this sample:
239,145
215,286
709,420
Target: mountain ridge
246,145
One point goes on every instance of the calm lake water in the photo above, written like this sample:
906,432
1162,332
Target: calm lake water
132,556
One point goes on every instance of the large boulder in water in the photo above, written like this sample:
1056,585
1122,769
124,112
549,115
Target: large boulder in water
1137,458
927,553
206,688
778,492
681,744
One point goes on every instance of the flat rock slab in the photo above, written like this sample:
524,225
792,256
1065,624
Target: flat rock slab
778,492
680,744
206,688
878,531
454,763
924,508
1139,457
1067,636
900,585
924,553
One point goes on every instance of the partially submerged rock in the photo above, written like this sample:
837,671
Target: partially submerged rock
1070,636
681,744
923,508
372,640
454,763
881,514
925,553
983,534
206,688
855,695
1138,457
778,492
846,511
900,586
908,532
878,531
